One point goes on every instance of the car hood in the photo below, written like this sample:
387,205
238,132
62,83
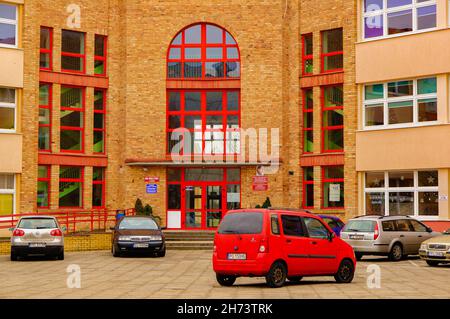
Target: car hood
137,232
444,239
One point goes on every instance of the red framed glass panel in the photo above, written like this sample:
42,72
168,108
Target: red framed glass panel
332,51
98,187
100,55
45,117
43,187
332,100
333,187
73,52
307,54
308,125
99,138
71,182
73,100
203,51
46,49
308,187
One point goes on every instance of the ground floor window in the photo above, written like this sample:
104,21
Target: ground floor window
98,187
308,187
333,186
203,195
43,188
402,193
71,187
7,194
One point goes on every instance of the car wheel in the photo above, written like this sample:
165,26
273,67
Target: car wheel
295,278
225,280
161,253
277,275
396,253
14,256
61,255
432,263
346,272
115,253
358,256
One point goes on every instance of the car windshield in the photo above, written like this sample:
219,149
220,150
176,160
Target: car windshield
363,226
138,224
241,223
37,223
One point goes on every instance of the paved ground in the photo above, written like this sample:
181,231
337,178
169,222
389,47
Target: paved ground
188,274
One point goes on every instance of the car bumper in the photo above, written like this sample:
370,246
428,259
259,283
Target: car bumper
424,255
258,267
23,251
368,247
131,247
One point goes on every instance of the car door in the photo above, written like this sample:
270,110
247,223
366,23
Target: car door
296,245
323,249
420,234
406,235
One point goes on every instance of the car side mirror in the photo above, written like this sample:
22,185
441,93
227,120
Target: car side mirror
331,236
429,230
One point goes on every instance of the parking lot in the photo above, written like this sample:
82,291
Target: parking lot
189,274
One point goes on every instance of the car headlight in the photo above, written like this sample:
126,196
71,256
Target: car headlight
155,238
423,247
124,238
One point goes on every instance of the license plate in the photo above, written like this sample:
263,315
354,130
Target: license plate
37,245
357,237
436,254
140,246
237,256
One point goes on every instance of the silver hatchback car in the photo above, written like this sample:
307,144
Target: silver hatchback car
392,236
37,236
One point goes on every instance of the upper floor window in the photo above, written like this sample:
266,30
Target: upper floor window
8,25
332,55
8,103
307,54
45,117
333,118
73,53
203,51
384,18
333,187
46,49
100,55
72,119
400,103
99,121
308,125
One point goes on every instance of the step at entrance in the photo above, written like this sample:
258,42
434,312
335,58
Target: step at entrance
189,240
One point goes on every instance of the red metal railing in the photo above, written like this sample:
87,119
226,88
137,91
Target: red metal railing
96,219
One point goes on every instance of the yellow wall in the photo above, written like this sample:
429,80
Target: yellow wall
11,154
11,66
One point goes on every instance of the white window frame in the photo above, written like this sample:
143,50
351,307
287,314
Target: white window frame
10,191
384,13
385,101
415,189
10,106
11,22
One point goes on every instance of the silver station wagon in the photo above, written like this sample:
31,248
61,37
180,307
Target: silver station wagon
392,236
37,236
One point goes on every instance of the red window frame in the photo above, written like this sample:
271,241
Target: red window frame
307,182
306,57
82,56
103,130
73,128
73,180
203,60
330,180
329,128
329,54
48,51
204,113
49,108
305,112
101,182
46,180
101,58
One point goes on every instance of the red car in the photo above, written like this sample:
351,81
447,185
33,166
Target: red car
279,245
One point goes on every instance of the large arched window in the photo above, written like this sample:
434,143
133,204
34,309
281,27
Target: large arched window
203,51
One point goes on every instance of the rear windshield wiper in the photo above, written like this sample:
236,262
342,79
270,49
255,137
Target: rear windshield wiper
228,232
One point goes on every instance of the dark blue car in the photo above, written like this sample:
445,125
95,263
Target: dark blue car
335,223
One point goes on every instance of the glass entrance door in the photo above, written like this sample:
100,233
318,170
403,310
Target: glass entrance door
203,206
194,207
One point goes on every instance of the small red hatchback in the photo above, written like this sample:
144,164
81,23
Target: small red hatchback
279,244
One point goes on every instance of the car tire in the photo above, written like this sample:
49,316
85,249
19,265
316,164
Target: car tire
225,280
14,256
345,273
277,275
396,253
295,278
115,253
432,263
161,253
358,256
61,255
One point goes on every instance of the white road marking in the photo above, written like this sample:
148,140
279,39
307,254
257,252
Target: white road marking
413,263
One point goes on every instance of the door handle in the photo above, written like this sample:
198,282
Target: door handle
314,243
420,236
288,241
401,236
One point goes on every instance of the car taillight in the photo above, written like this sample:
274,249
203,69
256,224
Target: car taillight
18,233
56,233
264,246
376,232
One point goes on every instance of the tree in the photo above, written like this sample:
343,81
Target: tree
138,207
148,210
267,203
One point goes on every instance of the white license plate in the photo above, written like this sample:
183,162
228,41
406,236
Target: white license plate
37,245
357,237
237,256
436,254
140,246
